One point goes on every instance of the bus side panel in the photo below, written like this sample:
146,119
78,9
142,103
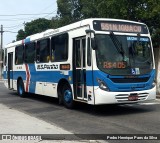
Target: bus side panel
5,76
47,80
31,77
19,74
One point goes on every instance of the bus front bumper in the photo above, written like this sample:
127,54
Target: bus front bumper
104,97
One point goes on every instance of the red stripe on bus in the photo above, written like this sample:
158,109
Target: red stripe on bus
27,77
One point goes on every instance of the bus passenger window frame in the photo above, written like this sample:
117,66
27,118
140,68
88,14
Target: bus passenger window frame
18,53
28,45
58,53
40,48
89,51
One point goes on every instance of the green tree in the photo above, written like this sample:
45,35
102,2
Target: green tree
34,27
89,8
21,35
147,11
54,22
69,11
37,26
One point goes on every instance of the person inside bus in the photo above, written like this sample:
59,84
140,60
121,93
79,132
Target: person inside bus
48,53
45,54
52,55
48,58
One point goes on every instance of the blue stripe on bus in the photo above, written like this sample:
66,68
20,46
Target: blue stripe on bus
4,75
42,76
117,87
27,40
32,85
55,76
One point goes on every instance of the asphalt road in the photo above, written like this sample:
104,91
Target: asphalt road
86,119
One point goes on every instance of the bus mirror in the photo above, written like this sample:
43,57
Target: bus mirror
93,44
93,40
89,31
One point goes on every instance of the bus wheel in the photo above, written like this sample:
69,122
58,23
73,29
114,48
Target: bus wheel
67,97
20,88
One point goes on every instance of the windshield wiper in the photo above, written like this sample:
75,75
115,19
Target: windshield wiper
117,44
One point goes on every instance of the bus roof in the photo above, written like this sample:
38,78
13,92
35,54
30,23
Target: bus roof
63,29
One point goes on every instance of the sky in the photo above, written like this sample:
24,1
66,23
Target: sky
14,13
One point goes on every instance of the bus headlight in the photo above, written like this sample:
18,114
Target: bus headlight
102,85
153,84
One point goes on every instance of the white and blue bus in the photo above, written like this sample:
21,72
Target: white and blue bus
95,61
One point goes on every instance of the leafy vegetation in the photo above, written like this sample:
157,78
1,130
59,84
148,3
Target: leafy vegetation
69,11
33,27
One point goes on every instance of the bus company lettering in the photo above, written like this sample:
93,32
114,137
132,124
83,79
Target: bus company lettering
47,66
121,27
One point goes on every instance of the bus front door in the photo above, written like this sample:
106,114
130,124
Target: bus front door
79,68
10,70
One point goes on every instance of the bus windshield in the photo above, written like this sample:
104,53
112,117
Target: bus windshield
124,55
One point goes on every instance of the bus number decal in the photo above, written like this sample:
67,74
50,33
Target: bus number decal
64,66
110,65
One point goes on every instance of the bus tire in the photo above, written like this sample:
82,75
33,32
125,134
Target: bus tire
20,88
67,96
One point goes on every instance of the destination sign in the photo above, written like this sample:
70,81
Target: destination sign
64,66
112,65
121,27
117,26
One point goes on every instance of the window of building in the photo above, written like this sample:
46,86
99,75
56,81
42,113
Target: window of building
59,48
19,54
43,51
30,52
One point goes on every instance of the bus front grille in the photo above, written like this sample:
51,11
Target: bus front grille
126,97
129,80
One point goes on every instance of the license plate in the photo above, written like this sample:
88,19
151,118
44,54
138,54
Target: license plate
133,98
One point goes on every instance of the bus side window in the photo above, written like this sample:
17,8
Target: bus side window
43,50
88,52
37,52
53,49
59,48
30,53
16,56
19,55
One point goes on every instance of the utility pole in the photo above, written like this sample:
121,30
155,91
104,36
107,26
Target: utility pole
1,60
